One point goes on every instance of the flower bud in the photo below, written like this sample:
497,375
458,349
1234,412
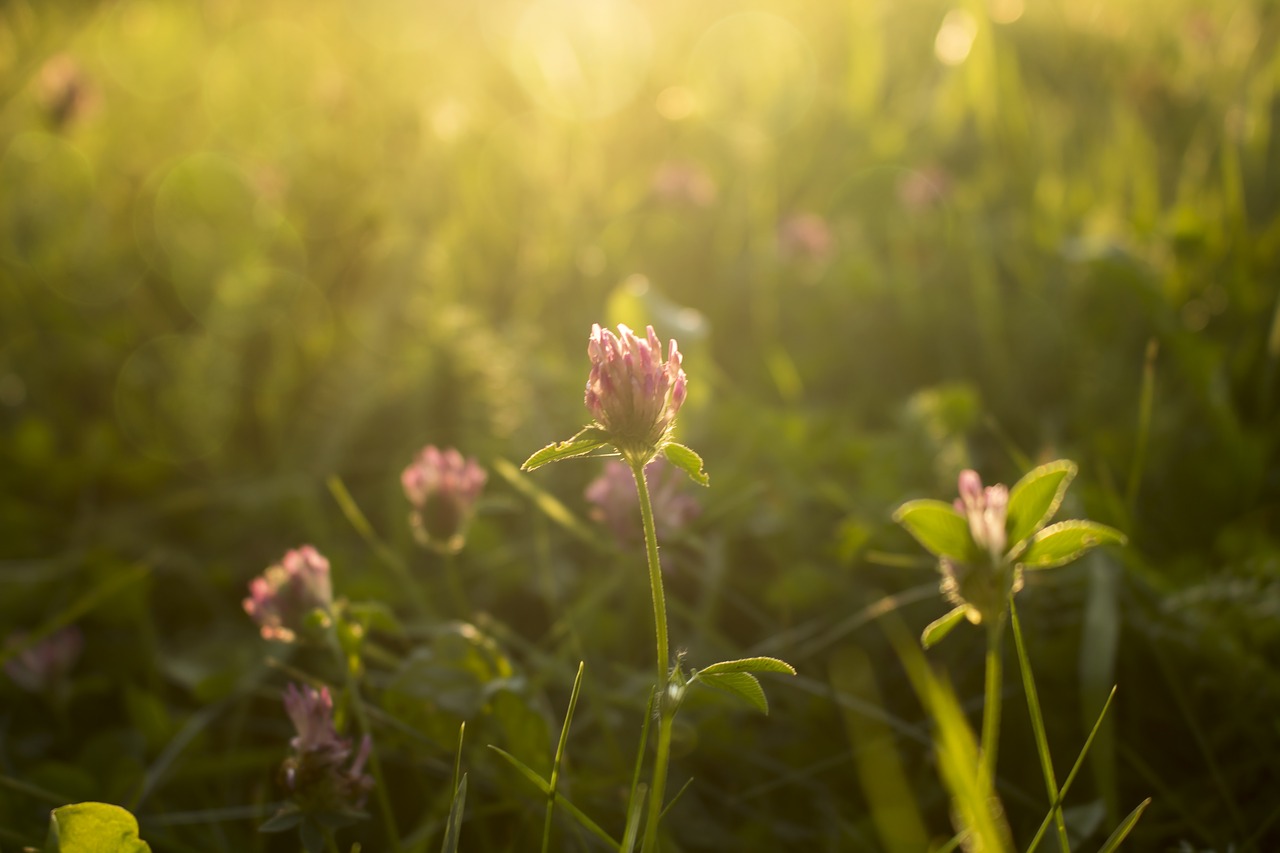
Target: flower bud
317,775
443,489
632,392
282,598
986,510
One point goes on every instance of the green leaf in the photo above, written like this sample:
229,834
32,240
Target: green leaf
1059,544
748,665
744,685
687,461
287,818
1036,497
940,627
939,528
588,439
453,828
93,828
1125,827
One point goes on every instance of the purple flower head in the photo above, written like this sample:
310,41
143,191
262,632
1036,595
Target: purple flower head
286,593
318,776
616,505
986,510
682,183
311,711
443,488
43,664
805,236
632,392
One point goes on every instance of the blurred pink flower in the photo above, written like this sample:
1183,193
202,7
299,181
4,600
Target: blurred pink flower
616,505
631,391
443,488
919,191
43,664
311,711
282,598
986,510
64,90
315,775
684,183
805,236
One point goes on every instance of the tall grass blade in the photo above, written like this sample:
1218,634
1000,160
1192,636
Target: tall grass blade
559,759
1037,727
541,784
1123,830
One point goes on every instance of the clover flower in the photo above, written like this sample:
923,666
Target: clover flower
43,664
443,488
632,393
287,593
805,236
679,182
318,776
616,505
986,510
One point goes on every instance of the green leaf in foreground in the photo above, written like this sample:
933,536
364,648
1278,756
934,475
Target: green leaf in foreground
687,461
1126,826
744,685
1059,544
453,828
588,439
1036,497
939,528
93,828
760,664
940,627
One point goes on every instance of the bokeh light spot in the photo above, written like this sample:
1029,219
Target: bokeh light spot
176,397
581,59
222,241
753,69
148,46
955,37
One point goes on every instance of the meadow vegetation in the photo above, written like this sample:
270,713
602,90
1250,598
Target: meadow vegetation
258,260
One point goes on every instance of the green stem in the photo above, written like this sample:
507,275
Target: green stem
330,843
994,695
655,573
666,711
362,722
657,792
461,603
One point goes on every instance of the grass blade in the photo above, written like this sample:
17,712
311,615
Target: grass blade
1075,768
1125,827
541,784
1037,727
559,759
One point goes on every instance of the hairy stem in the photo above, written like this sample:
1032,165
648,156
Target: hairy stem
994,695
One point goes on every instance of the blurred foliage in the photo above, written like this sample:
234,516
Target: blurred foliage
248,246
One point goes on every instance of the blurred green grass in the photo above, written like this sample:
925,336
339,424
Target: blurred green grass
248,246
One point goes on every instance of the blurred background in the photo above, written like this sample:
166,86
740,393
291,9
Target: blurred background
247,247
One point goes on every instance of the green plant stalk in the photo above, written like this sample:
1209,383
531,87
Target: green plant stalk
660,763
655,574
461,603
666,713
994,695
1037,726
362,721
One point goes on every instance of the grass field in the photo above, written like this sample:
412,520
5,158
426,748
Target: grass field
255,255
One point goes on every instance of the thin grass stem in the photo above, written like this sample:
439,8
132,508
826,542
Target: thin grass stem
1037,727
